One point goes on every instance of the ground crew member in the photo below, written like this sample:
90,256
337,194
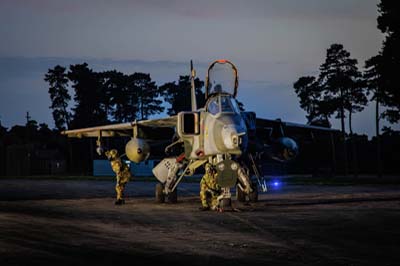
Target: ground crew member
122,172
209,189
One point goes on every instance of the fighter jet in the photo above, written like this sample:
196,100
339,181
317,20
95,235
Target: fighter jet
218,133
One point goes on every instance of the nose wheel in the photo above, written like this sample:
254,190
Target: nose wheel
225,204
173,196
160,196
253,196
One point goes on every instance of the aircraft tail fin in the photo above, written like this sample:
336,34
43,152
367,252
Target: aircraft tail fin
193,88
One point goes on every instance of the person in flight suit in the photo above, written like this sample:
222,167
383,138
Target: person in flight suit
122,172
209,189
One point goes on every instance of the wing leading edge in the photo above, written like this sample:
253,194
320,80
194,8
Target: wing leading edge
120,130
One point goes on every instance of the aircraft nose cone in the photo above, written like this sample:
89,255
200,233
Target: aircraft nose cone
233,137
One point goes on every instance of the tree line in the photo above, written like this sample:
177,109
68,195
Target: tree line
112,96
341,89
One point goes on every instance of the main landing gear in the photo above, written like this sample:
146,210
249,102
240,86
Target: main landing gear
252,196
161,197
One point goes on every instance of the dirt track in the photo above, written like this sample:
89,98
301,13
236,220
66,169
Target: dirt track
76,223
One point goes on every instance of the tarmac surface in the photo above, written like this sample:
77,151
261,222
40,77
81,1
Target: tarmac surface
59,222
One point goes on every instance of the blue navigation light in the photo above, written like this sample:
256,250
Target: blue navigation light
276,183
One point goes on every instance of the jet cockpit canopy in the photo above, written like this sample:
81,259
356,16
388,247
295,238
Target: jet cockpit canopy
222,77
222,103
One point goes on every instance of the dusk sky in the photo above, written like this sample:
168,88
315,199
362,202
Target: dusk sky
272,42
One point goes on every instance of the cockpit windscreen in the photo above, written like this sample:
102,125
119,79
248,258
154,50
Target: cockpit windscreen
221,79
223,104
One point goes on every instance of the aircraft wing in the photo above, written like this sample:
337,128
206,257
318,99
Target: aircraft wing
122,129
269,129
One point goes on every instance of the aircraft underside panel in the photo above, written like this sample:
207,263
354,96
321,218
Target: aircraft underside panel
162,169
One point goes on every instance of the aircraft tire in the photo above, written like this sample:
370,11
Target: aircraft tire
240,195
173,196
253,196
226,203
160,197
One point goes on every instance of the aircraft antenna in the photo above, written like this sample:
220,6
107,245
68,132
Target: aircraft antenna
28,118
193,88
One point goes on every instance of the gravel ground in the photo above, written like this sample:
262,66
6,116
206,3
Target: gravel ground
56,222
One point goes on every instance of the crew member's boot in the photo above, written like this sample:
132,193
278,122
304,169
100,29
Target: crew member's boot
119,189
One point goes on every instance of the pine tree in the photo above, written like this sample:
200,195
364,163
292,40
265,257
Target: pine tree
58,82
89,97
341,85
122,96
375,83
342,89
147,95
308,90
389,24
179,95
